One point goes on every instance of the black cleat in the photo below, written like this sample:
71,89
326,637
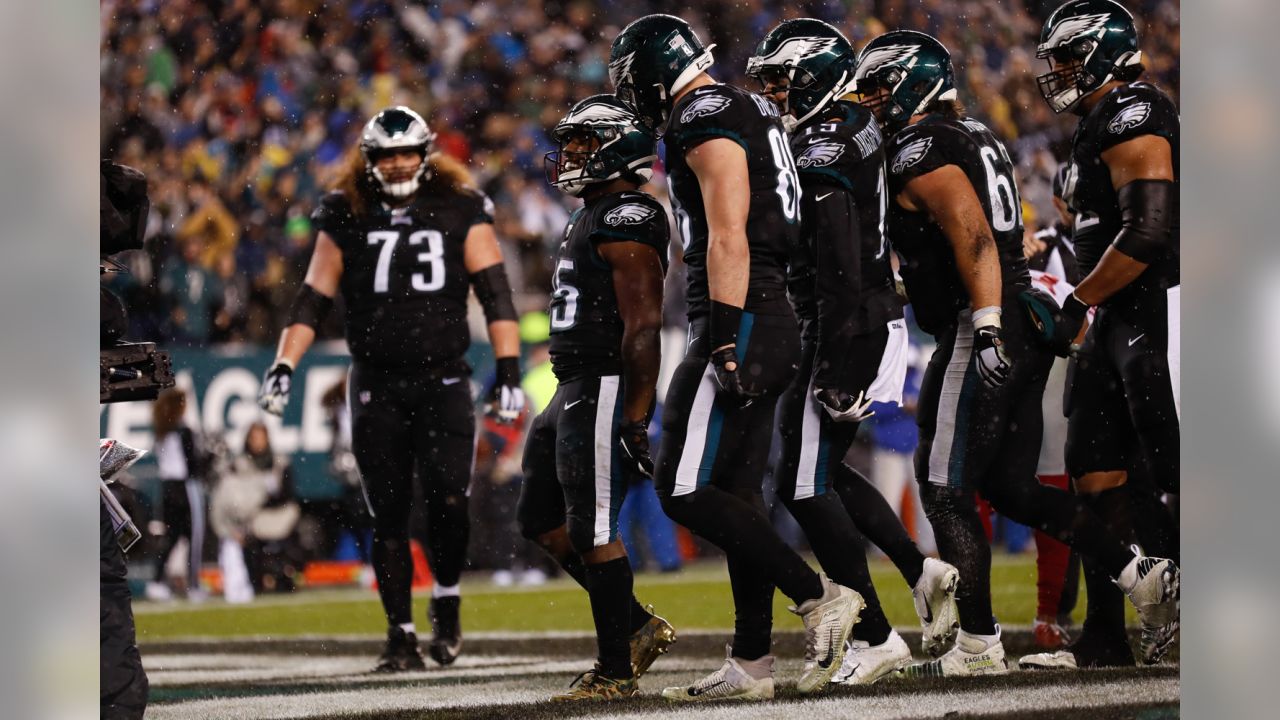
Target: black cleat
401,653
446,639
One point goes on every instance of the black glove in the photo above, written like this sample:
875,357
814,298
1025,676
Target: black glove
506,398
633,439
988,353
727,377
843,407
1073,315
273,396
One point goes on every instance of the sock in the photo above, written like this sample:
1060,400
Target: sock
573,566
1052,558
439,591
759,668
962,541
876,519
1104,613
609,586
752,608
393,567
408,628
1153,524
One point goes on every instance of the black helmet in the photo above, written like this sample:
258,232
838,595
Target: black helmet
914,67
816,59
1087,42
393,130
626,147
651,60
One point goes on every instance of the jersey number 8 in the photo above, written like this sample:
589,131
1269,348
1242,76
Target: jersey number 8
788,179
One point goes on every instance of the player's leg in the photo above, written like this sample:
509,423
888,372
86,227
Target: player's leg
444,444
1053,559
382,445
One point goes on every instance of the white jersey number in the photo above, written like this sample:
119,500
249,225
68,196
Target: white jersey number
433,258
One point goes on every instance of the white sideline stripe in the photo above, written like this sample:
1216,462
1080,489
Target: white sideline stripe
949,402
695,435
810,441
606,401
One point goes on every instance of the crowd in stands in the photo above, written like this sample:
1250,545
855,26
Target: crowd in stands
241,111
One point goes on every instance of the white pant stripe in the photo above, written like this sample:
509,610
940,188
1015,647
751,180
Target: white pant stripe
949,403
196,499
810,442
695,435
606,401
1174,351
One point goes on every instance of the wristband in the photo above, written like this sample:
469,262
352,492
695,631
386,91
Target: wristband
508,371
285,362
1074,307
986,316
725,320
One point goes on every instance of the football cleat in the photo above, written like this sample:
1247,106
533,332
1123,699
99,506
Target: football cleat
826,631
1055,660
865,663
1154,643
730,682
653,639
1048,635
970,656
401,653
1090,650
591,685
935,601
446,638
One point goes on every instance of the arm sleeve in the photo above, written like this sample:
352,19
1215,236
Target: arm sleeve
834,234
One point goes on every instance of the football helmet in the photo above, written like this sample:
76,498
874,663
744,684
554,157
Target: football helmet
815,58
393,130
651,60
620,146
1086,42
913,67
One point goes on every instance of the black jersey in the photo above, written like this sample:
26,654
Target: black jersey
841,269
404,283
586,327
928,266
725,111
1125,113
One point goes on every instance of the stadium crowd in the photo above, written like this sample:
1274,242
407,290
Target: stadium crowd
241,112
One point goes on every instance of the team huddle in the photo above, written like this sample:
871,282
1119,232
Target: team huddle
790,202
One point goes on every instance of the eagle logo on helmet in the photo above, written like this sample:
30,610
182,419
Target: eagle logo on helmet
820,154
629,214
599,113
792,51
912,153
875,58
705,105
1074,27
1131,116
620,69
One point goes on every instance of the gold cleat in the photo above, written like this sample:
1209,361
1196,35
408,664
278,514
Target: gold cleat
590,685
654,639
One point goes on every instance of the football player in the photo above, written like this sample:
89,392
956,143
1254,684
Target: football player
736,197
853,339
1122,184
593,437
404,238
956,222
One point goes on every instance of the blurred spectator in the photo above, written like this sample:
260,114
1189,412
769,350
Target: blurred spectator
179,466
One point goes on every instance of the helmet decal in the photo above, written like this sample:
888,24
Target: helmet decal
791,50
876,58
620,69
1074,27
629,214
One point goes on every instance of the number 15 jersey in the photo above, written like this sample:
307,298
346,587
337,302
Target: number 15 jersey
773,223
404,282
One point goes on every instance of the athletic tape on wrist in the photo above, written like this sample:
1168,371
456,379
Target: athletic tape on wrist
986,317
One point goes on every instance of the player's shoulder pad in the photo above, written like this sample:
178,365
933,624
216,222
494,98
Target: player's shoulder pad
718,110
922,148
630,215
332,212
1134,110
479,205
833,148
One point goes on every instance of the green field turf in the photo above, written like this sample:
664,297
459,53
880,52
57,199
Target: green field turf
696,598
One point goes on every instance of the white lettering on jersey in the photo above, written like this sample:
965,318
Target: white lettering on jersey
868,139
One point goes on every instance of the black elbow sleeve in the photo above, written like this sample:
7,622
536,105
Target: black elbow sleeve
494,293
310,308
1147,211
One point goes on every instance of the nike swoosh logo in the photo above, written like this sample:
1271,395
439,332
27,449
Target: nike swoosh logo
695,692
575,402
1126,99
826,662
820,198
451,381
1134,340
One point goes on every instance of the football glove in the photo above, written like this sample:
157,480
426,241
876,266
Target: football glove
506,398
727,377
273,396
633,439
843,407
988,352
1073,315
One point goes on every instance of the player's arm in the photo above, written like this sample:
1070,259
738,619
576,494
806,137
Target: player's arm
310,308
721,167
1142,174
950,200
483,260
637,282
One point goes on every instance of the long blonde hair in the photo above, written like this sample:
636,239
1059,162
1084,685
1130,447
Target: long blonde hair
447,176
166,413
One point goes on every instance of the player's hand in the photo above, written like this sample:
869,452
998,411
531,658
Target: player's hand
988,352
273,396
843,407
506,399
1074,323
633,439
724,362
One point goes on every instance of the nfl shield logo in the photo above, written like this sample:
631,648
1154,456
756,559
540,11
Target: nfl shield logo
365,397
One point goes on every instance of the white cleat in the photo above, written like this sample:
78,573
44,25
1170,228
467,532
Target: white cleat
1154,588
826,631
865,663
970,656
1057,660
730,682
935,601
